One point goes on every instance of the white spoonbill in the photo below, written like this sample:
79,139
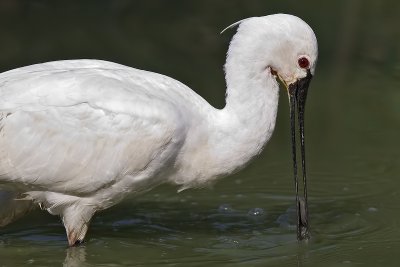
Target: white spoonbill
78,136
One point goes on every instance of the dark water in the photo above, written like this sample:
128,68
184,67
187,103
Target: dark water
353,116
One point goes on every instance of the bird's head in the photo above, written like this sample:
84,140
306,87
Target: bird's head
282,44
283,47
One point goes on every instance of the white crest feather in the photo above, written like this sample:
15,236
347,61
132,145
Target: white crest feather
233,25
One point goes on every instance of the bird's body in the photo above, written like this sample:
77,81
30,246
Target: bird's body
77,136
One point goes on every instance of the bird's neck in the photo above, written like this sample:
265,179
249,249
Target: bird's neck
246,123
234,135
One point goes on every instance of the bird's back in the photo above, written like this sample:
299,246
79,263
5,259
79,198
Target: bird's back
71,82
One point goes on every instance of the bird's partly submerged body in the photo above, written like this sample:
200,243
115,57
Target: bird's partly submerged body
78,136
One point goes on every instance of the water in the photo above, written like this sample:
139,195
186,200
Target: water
247,219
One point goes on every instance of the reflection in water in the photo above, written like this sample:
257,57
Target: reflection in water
75,257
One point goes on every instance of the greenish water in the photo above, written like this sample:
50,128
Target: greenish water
352,135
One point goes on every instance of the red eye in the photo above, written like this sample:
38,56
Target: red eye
303,63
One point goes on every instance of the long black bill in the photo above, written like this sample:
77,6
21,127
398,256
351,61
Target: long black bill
297,98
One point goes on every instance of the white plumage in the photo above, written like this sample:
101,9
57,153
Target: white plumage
77,136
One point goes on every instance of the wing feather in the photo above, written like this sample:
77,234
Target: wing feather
79,129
